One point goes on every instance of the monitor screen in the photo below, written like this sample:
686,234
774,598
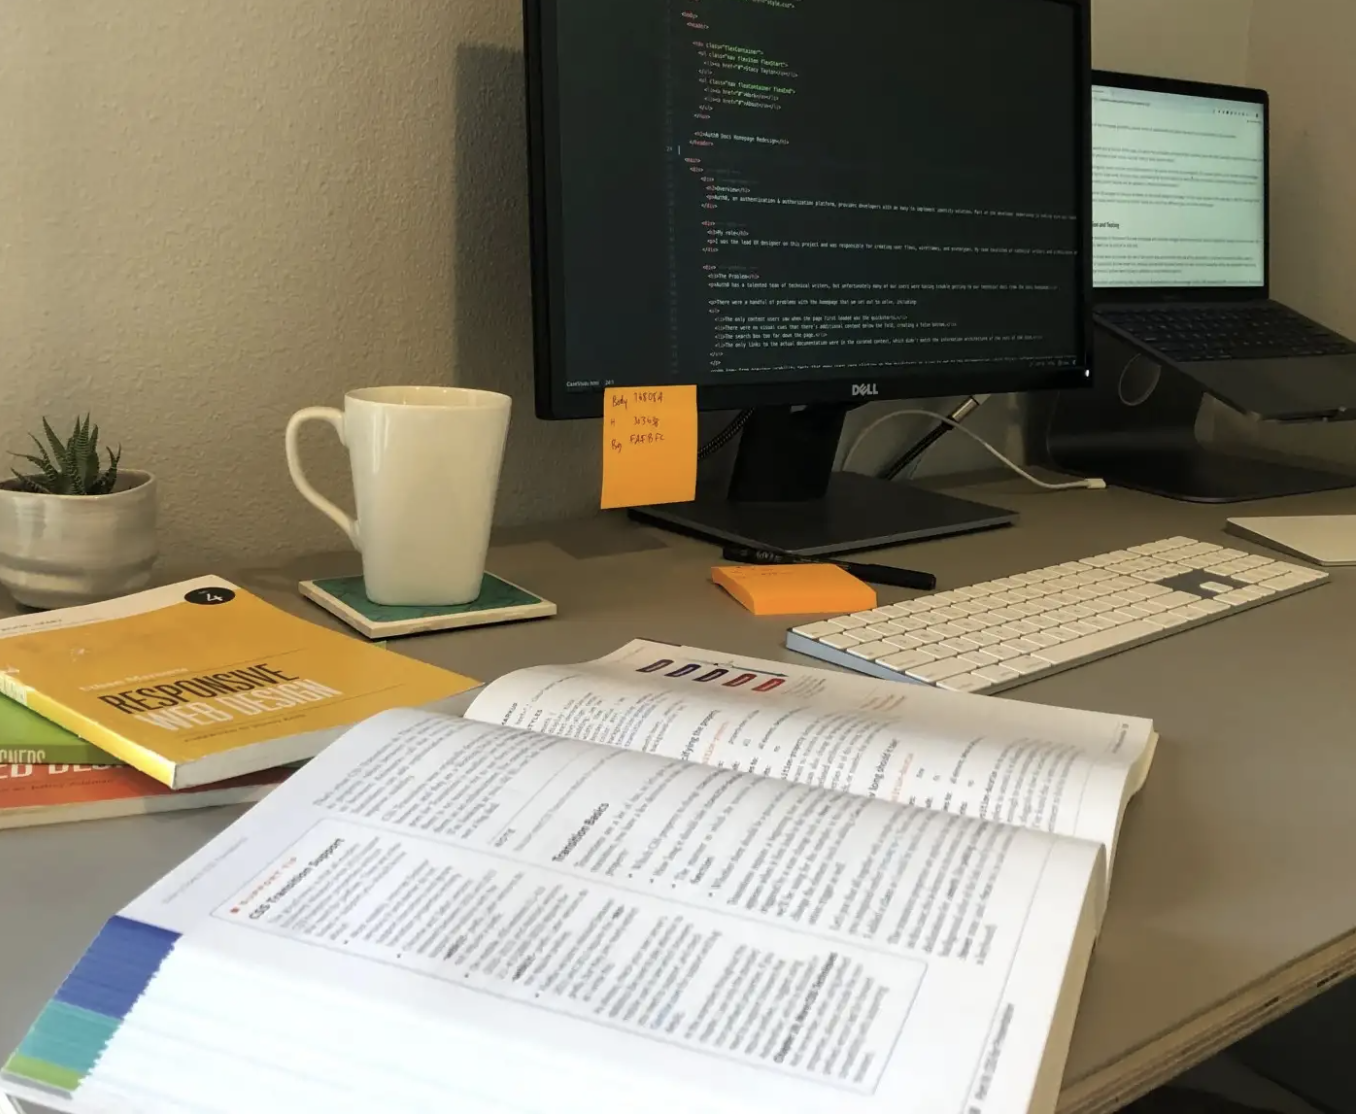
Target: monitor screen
1179,190
798,201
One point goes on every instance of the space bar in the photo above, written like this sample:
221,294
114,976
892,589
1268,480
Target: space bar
1086,646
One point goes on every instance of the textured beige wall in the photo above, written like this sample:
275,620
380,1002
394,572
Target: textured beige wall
1205,40
214,213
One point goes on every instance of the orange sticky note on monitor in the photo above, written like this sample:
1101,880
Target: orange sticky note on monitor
794,589
649,445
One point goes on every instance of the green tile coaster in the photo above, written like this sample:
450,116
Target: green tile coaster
499,601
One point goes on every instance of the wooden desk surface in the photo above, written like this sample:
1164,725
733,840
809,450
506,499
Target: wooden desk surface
1232,900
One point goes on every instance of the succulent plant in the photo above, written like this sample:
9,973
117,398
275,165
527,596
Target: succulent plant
71,468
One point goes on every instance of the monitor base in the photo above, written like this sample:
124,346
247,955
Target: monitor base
855,513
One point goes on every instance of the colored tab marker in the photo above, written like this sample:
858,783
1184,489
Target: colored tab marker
649,445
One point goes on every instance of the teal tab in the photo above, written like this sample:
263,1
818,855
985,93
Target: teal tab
68,1036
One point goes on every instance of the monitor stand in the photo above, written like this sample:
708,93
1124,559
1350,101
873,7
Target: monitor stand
1137,429
784,496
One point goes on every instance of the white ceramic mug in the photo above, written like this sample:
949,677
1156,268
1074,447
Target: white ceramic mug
425,464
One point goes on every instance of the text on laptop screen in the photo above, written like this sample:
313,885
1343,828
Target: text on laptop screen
1179,190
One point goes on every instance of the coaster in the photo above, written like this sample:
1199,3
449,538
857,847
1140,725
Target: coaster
499,601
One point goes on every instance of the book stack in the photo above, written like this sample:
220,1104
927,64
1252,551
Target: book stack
666,879
194,694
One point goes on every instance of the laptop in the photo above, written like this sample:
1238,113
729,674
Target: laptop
1181,248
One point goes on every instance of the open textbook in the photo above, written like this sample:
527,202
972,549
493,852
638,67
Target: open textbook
664,881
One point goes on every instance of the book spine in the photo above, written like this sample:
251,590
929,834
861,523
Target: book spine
75,751
131,753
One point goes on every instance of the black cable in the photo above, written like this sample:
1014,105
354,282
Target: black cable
915,451
719,441
956,416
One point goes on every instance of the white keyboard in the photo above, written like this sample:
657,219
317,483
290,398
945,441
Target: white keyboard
999,634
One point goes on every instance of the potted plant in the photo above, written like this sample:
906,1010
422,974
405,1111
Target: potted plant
73,530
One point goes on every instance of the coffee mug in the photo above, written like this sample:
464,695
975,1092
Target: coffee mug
425,464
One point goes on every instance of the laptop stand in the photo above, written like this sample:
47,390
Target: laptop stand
1136,428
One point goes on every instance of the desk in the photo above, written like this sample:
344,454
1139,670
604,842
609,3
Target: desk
1232,900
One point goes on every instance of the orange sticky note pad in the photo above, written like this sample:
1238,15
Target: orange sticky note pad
794,589
649,445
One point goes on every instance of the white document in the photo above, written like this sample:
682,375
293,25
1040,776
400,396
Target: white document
1059,770
443,915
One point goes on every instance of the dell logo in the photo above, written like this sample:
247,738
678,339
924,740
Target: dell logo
859,390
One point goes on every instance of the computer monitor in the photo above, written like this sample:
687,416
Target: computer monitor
1179,174
800,206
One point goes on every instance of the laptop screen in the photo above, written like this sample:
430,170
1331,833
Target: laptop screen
1179,190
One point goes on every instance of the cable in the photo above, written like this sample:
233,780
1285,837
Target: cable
910,458
919,447
1090,482
718,442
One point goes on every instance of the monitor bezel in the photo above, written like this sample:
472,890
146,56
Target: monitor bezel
1244,95
547,276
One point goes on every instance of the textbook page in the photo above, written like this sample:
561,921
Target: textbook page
1041,767
438,913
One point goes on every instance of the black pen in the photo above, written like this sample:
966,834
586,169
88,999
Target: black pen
867,571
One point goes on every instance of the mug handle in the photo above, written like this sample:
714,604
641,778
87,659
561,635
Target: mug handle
335,418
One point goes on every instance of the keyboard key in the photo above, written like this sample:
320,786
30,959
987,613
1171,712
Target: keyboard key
875,650
906,661
981,658
1165,621
814,631
894,612
905,642
841,641
997,674
964,684
1102,642
1027,664
939,671
1289,581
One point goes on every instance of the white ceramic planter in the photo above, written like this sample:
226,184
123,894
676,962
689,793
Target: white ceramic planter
66,550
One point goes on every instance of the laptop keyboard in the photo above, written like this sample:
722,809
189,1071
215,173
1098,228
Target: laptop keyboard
1196,333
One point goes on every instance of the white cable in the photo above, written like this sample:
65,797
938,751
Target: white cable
866,432
1089,482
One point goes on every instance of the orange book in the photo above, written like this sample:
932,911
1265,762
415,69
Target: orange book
43,793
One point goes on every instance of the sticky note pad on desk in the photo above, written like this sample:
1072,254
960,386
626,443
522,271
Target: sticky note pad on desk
794,589
649,445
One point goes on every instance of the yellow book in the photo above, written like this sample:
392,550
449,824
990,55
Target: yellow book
202,681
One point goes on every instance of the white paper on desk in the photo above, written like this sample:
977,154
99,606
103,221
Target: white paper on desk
1062,771
440,915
